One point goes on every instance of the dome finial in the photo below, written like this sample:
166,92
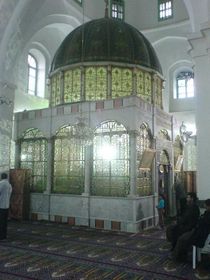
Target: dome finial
106,8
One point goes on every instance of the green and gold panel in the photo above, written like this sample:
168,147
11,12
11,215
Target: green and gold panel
158,92
140,83
72,85
96,83
144,85
56,90
121,82
147,95
68,163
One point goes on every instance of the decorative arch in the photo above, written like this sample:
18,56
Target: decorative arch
110,160
164,158
37,74
144,141
33,156
144,177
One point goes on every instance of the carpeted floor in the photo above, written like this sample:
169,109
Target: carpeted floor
43,250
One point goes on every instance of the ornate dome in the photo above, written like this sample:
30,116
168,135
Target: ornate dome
106,39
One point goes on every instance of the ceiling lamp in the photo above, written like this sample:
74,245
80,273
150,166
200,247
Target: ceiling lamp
82,133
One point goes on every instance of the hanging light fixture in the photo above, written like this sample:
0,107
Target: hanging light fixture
82,133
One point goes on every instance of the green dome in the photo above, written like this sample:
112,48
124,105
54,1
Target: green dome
109,40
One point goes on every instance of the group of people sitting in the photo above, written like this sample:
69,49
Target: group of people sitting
190,228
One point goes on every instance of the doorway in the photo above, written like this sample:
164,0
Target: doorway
164,180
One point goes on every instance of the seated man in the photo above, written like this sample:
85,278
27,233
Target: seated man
196,236
186,222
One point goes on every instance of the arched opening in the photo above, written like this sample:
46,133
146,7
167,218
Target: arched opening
110,160
33,156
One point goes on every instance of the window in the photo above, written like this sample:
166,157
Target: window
79,2
165,9
36,73
184,85
32,75
117,9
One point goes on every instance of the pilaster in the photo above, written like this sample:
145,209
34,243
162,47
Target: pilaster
200,52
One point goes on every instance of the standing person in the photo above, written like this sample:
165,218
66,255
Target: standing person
5,193
161,210
186,222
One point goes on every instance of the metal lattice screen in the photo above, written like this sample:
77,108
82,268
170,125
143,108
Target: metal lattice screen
33,156
110,160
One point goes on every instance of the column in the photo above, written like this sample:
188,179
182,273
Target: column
7,91
200,53
133,163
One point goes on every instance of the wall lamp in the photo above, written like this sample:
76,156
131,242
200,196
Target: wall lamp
5,101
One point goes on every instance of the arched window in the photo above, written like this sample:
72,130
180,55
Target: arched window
144,177
32,75
117,9
68,163
34,156
36,73
184,85
110,160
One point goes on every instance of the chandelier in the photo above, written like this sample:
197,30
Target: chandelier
82,133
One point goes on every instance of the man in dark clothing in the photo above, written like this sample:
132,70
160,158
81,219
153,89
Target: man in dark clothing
203,227
196,236
186,222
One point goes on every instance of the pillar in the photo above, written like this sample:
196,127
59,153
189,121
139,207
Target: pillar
200,46
7,91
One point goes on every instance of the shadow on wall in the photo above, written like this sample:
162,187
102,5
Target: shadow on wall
139,214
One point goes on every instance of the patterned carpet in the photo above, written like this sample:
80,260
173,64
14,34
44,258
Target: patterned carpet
43,250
